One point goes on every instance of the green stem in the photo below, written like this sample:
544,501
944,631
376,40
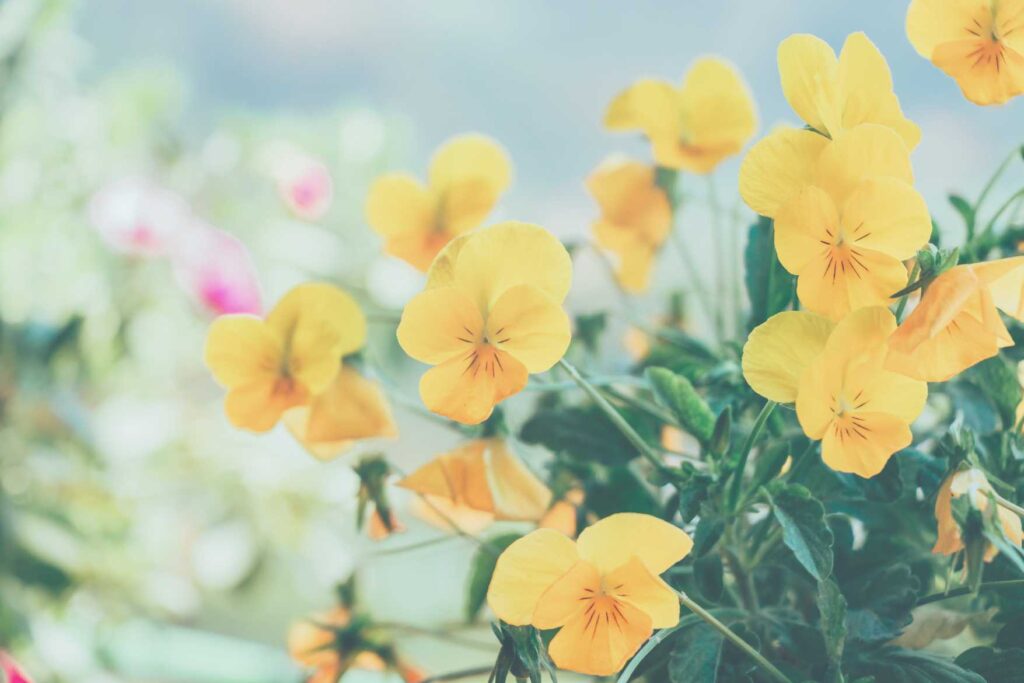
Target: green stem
903,299
733,638
992,181
802,463
615,416
437,540
653,642
690,268
755,432
966,590
719,242
1012,507
1006,205
458,675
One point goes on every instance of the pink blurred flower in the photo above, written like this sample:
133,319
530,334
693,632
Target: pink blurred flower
135,216
12,672
216,269
305,185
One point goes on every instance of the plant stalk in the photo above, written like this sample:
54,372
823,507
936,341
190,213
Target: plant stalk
737,476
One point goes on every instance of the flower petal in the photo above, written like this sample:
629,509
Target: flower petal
568,596
242,349
887,215
860,153
609,543
649,105
948,531
467,387
399,205
849,278
528,324
258,406
600,646
865,84
933,22
778,351
518,494
439,324
459,476
1005,280
469,173
525,571
635,584
718,114
804,227
778,167
628,195
865,455
808,68
893,394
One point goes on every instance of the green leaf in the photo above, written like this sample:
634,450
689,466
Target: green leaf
880,604
997,378
620,490
689,407
832,621
709,530
585,433
804,530
897,665
964,208
481,570
721,437
994,665
693,488
708,576
697,655
770,287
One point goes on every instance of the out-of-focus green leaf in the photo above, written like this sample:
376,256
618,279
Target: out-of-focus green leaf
994,665
804,530
897,665
769,286
832,621
481,570
697,655
689,407
707,574
585,433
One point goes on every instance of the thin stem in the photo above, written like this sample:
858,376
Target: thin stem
1012,507
755,432
696,286
615,416
903,299
446,634
1009,202
732,637
966,590
995,177
437,540
653,642
459,675
719,243
802,463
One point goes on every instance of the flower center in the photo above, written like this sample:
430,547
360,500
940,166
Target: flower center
603,604
841,253
846,423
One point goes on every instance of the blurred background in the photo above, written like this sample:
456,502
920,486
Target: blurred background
141,537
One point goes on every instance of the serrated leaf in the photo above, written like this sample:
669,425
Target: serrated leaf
804,529
880,604
770,287
832,622
481,570
697,655
688,407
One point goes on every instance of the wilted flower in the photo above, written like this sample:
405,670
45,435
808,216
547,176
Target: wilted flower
695,127
216,269
602,592
138,217
974,484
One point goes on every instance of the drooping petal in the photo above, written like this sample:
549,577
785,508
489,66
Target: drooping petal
865,151
778,351
865,446
612,540
467,387
948,539
778,167
805,227
528,324
600,646
525,570
635,584
887,215
459,476
242,349
518,494
649,105
809,69
468,174
1005,281
440,324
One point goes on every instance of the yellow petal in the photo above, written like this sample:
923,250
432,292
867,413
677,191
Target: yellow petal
467,387
517,493
561,517
844,279
525,570
258,406
351,408
804,226
893,394
649,105
809,70
320,324
778,167
778,351
440,324
509,254
600,644
528,324
819,383
933,22
987,72
468,174
450,516
887,215
418,249
629,198
1005,280
948,531
442,269
865,453
242,349
399,205
634,267
861,153
863,331
609,543
568,596
459,476
635,584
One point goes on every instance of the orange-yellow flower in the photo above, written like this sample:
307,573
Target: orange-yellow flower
833,95
694,127
957,323
485,476
467,176
636,218
603,592
563,515
844,394
980,43
491,314
975,485
377,530
269,366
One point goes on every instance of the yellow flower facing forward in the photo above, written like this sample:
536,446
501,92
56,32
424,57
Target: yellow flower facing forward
845,223
957,323
974,484
485,476
980,43
844,394
833,95
467,176
636,218
490,316
603,592
269,366
692,128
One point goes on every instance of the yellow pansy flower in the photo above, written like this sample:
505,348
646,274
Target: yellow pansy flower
957,323
491,314
603,592
837,377
485,476
352,408
846,213
269,366
467,175
636,218
692,128
563,515
833,95
980,43
975,485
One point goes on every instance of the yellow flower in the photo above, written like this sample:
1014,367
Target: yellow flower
980,43
563,515
692,128
485,476
603,592
957,323
491,314
350,409
636,217
975,485
846,213
466,177
844,395
833,95
269,366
